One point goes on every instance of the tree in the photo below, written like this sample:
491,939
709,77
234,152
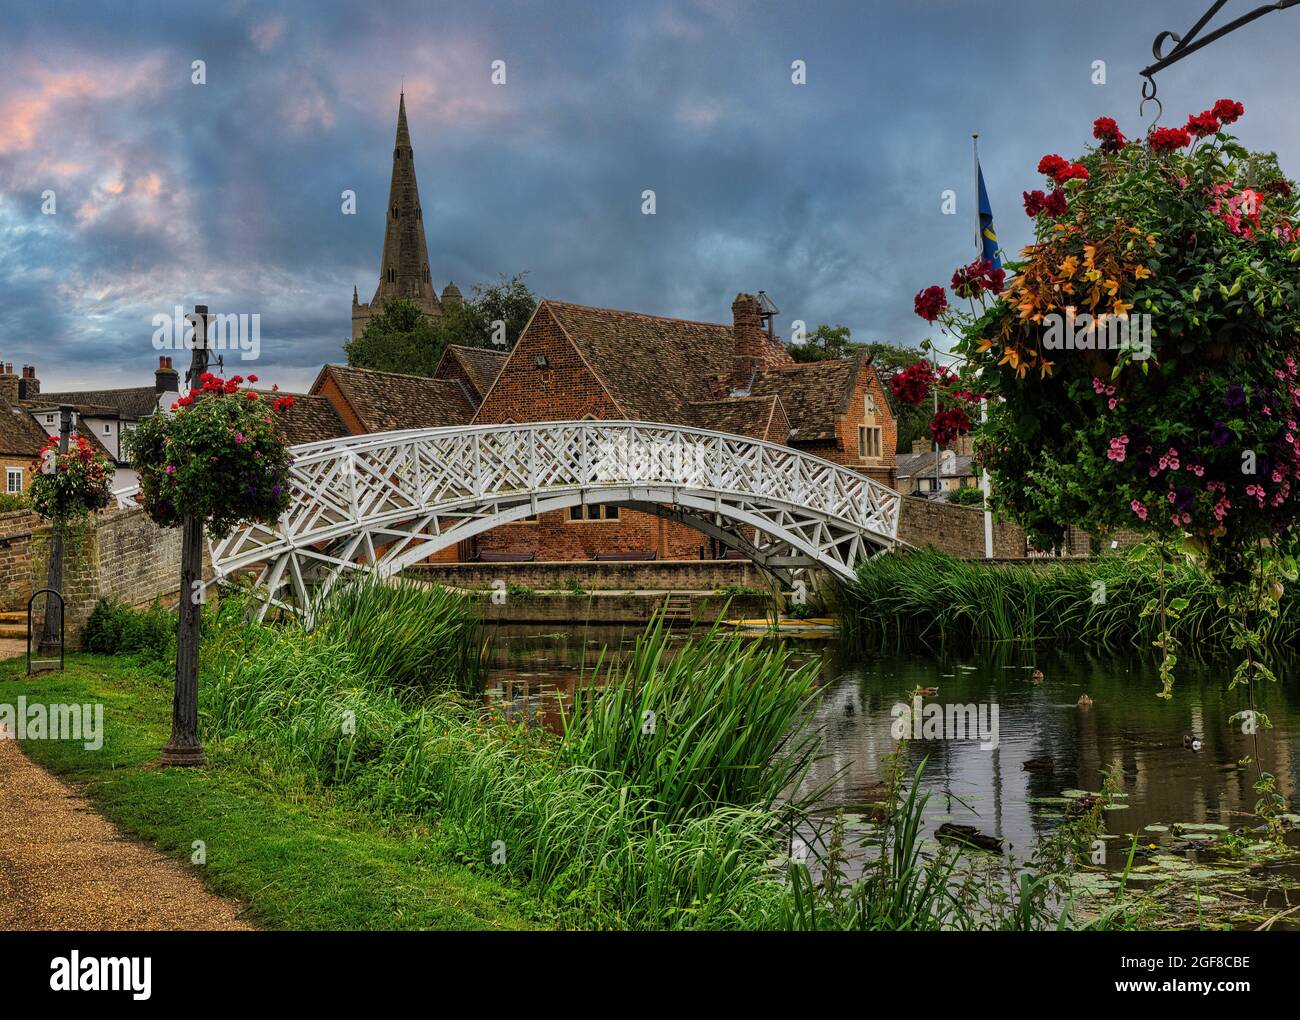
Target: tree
825,342
401,338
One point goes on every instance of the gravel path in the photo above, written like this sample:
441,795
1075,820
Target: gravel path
63,867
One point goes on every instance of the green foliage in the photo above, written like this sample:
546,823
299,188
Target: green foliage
401,338
407,633
114,628
222,458
825,342
78,485
10,501
929,598
967,495
697,729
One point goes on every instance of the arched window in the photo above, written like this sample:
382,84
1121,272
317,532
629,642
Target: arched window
390,274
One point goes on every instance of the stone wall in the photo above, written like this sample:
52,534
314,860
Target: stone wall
15,559
959,530
120,554
654,575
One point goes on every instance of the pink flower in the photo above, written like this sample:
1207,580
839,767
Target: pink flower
1138,509
171,469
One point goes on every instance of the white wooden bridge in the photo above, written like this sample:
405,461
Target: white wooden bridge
384,501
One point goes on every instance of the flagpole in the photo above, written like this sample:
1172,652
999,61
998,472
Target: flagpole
984,404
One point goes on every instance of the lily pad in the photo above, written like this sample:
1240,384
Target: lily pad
1201,826
1156,828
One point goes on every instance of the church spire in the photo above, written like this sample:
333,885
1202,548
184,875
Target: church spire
404,267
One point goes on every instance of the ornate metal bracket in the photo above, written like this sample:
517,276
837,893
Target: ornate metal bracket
1189,43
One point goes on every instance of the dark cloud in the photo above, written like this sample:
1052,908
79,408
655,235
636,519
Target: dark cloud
826,195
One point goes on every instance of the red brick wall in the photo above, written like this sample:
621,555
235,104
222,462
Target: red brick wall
567,390
329,388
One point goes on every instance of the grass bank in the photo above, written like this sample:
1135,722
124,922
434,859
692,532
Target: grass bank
931,599
296,859
358,780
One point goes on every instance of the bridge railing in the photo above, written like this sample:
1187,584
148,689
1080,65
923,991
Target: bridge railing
340,485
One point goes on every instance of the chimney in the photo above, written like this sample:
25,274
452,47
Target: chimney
29,387
754,350
165,378
8,384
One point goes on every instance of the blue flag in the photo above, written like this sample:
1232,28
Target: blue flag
988,236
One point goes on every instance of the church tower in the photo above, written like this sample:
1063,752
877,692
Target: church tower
404,267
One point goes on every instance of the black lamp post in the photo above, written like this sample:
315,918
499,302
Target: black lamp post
50,629
184,747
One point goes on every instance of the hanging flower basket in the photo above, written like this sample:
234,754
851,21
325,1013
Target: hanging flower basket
68,486
1142,358
222,458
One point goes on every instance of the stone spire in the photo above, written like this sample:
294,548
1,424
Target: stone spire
404,267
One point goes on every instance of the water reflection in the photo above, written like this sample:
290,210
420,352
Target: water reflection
535,668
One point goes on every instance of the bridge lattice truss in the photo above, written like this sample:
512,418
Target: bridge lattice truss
383,501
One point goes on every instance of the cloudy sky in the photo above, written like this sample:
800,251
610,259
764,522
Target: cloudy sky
828,195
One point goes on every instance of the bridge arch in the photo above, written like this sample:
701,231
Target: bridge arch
383,501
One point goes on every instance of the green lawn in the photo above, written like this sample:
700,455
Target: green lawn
296,859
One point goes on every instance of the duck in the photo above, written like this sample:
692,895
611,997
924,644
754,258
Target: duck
1037,676
1084,701
1043,764
969,836
927,692
1192,743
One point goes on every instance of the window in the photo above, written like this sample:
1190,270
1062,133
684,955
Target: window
869,442
108,429
13,479
596,512
49,419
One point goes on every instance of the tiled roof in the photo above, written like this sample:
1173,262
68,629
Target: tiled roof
912,464
19,434
742,416
135,402
387,402
311,419
813,394
653,367
481,364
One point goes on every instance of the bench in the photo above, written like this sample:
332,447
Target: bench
500,556
629,554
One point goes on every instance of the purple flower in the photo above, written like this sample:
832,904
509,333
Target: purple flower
276,489
1219,433
1235,396
1182,498
171,469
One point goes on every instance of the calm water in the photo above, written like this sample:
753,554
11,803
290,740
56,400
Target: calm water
990,788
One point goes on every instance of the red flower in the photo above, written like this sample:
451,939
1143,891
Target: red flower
1033,202
912,384
1169,139
1203,124
252,378
1054,205
969,281
1052,165
1227,110
1108,133
930,303
949,423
